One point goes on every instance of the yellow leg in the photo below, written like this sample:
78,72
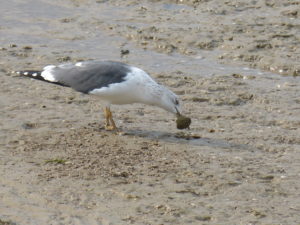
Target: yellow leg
106,114
109,122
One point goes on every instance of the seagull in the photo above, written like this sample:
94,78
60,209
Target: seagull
116,83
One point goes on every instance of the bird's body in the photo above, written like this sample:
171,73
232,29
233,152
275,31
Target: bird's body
114,82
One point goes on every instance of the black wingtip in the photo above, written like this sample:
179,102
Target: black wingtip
31,73
36,74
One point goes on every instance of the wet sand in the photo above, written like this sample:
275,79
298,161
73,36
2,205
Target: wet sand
239,162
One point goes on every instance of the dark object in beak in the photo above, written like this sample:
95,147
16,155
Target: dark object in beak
183,122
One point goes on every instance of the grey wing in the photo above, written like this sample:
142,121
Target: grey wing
90,75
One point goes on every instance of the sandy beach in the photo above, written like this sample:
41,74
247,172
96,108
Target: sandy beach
234,66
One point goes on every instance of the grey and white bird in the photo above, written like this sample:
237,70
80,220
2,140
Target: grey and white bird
113,82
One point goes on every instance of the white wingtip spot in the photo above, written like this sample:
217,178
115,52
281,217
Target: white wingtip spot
25,73
47,74
79,64
34,74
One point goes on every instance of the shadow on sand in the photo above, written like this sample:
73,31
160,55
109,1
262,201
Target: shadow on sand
186,138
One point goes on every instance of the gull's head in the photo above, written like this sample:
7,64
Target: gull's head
169,101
